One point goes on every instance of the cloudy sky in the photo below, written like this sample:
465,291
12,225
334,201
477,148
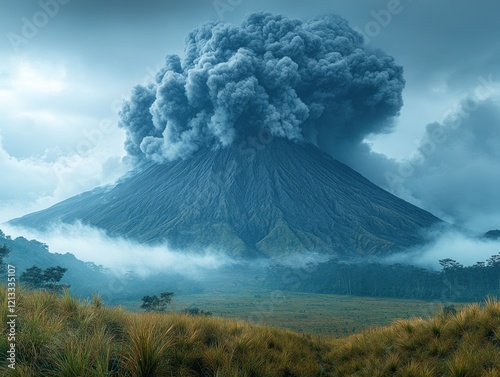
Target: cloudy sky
66,65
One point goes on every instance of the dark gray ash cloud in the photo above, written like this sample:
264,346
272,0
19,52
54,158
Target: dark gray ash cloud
302,80
454,171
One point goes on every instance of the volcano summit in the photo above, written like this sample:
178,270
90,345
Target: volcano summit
230,146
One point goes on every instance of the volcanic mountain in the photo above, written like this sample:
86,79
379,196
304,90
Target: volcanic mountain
279,199
310,90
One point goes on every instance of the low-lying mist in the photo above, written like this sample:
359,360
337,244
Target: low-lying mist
138,269
456,245
132,270
122,256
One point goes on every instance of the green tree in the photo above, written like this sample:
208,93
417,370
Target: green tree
32,277
155,303
4,251
450,264
197,311
36,278
52,276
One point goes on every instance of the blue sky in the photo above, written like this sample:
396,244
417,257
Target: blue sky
65,67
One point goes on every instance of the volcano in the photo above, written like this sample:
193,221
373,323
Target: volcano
280,199
301,88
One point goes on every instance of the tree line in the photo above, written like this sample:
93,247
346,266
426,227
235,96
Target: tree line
453,282
49,278
36,277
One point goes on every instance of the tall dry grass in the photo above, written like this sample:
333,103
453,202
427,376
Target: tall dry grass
61,336
466,344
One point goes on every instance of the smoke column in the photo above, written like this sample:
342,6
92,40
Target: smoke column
301,80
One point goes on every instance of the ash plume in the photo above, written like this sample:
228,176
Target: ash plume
302,80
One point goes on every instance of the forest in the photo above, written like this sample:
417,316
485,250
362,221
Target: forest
454,282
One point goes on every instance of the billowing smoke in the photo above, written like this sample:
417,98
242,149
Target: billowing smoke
454,171
302,80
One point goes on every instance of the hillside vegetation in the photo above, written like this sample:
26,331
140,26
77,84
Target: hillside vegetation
454,281
61,336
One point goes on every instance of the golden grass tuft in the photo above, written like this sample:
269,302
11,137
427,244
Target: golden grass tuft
146,347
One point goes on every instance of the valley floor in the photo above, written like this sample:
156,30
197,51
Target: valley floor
310,313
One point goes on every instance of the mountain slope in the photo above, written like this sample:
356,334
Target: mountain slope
280,199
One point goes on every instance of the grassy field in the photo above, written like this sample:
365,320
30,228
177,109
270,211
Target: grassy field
316,314
239,294
61,336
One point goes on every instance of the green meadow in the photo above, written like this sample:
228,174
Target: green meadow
315,314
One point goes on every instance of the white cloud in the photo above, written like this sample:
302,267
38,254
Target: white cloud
44,105
58,136
121,255
38,78
31,184
454,245
24,178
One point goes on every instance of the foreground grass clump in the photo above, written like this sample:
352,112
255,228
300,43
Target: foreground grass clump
466,344
61,336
